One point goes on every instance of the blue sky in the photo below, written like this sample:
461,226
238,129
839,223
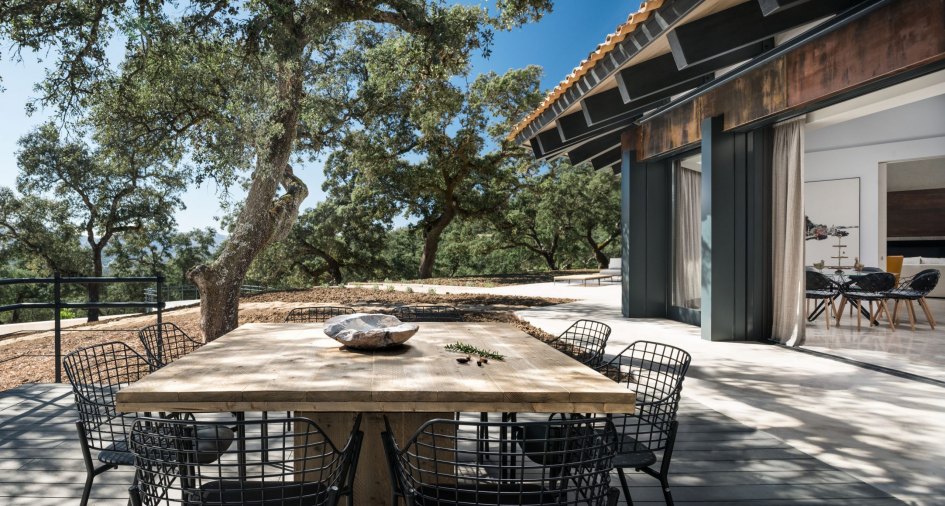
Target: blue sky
558,43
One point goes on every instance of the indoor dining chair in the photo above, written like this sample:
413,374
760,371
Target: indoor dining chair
916,289
871,288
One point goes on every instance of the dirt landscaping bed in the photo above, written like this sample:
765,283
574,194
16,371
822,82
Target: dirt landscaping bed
30,359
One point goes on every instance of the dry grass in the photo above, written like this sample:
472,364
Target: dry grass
30,358
501,279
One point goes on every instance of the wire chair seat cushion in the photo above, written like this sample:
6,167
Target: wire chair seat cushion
585,341
316,314
211,441
166,342
486,493
173,467
429,313
445,463
258,493
117,454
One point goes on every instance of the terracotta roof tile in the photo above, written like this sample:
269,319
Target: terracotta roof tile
610,42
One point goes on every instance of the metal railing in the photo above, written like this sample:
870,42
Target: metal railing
191,292
57,304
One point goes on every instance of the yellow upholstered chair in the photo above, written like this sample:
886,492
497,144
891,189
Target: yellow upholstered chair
894,265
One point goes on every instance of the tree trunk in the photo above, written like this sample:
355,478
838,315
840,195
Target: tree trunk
431,242
550,260
93,288
264,218
602,261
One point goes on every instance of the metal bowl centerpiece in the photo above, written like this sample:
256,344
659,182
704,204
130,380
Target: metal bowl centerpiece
363,331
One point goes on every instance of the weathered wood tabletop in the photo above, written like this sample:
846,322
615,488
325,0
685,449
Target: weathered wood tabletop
295,367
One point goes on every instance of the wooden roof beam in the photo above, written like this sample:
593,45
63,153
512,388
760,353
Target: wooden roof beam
739,26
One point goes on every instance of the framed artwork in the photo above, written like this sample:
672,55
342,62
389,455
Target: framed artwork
832,216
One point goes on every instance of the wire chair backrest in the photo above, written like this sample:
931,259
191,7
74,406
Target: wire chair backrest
97,373
925,281
429,313
874,282
655,371
817,281
447,462
584,340
166,343
316,314
266,468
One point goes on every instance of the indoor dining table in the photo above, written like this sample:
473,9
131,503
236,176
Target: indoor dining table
295,367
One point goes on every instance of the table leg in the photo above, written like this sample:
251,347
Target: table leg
372,480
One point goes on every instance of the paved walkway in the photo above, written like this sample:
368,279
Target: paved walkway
11,329
717,461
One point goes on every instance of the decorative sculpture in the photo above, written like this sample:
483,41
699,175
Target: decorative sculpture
369,331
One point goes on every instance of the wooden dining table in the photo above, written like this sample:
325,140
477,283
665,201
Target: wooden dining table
295,367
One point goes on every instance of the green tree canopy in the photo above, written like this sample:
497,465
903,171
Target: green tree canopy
241,88
98,194
437,148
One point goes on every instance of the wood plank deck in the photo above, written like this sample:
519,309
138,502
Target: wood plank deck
717,461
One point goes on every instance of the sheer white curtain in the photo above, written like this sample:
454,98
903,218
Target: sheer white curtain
687,239
788,232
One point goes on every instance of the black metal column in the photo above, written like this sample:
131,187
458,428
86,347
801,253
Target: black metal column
735,234
645,208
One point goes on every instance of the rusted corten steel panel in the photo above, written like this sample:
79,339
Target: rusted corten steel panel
747,98
897,38
677,128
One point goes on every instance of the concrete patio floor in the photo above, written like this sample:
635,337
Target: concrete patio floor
803,425
882,429
717,461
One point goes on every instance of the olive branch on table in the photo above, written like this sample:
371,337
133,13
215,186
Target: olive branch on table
469,349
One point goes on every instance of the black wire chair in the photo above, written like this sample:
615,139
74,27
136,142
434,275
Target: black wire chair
165,343
915,289
873,287
428,313
655,372
443,464
824,291
96,374
585,341
300,467
316,314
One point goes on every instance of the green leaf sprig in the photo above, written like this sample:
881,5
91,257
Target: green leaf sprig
469,349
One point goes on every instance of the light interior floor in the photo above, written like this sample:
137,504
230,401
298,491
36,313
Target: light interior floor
920,351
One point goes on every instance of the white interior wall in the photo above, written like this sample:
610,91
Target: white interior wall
856,148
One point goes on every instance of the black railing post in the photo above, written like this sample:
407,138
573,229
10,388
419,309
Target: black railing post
57,302
160,307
